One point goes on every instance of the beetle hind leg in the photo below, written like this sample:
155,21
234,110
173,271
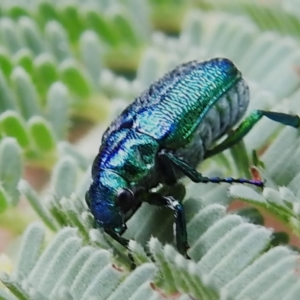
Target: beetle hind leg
243,129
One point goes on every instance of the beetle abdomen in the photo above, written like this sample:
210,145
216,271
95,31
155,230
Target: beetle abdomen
222,116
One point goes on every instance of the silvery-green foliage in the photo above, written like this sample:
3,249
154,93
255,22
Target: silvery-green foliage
41,73
280,16
219,268
74,270
10,170
227,251
35,136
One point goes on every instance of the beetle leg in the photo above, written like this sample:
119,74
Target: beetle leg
124,243
167,170
195,176
180,223
118,238
239,133
177,191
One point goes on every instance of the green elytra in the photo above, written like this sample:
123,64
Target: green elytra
163,135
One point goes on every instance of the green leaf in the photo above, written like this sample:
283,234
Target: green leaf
241,159
10,168
54,206
41,133
66,148
8,100
60,261
75,79
139,15
149,68
5,296
30,250
57,109
46,73
251,214
6,64
138,253
128,287
49,253
72,20
97,261
175,275
73,215
263,267
31,196
97,237
26,93
91,52
47,12
57,41
64,177
102,26
192,31
273,201
256,161
4,200
10,35
24,59
13,125
124,26
31,35
104,283
285,166
16,11
71,272
226,260
14,287
280,238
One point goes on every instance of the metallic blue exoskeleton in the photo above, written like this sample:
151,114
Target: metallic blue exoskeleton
163,135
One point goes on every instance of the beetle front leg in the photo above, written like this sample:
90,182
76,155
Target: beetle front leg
167,170
118,238
243,129
180,222
124,242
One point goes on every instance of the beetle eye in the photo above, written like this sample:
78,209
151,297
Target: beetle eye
125,200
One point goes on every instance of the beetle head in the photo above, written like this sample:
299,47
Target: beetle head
111,201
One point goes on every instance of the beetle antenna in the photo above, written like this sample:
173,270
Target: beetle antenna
231,180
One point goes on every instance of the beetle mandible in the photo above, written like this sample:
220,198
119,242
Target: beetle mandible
163,135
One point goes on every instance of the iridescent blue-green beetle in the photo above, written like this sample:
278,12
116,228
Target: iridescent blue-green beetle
163,135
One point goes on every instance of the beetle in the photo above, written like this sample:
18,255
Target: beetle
163,135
